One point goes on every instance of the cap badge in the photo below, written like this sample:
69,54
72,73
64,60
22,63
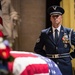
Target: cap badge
54,7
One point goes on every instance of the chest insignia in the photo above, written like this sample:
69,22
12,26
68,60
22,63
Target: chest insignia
65,38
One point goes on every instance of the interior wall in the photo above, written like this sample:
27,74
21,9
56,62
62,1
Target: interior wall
33,19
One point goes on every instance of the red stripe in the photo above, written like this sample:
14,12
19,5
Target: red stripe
15,55
35,69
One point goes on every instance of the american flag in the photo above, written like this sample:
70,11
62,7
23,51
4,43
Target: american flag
28,63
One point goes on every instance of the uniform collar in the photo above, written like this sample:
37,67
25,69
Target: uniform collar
56,28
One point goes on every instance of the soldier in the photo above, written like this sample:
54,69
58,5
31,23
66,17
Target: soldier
55,41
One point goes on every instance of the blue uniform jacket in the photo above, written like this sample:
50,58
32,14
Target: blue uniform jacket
46,45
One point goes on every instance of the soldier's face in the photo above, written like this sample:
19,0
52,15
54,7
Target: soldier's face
56,20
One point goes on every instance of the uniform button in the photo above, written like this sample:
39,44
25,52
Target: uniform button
56,48
57,62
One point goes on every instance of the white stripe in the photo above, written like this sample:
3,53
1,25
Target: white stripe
21,63
21,52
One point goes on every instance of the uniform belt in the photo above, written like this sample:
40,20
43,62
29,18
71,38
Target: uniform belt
58,55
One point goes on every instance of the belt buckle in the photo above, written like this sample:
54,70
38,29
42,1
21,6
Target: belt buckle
55,56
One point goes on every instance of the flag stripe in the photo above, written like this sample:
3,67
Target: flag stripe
16,54
36,69
21,63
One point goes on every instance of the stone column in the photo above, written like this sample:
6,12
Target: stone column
33,15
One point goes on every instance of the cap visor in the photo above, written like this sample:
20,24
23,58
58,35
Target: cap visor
56,13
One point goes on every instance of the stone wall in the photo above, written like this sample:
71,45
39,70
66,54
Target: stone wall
33,16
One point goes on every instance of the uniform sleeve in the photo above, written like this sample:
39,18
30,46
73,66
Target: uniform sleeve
39,45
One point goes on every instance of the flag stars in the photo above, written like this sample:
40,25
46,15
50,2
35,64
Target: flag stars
53,72
50,65
48,60
55,65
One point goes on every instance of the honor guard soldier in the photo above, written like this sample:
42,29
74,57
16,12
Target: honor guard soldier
55,42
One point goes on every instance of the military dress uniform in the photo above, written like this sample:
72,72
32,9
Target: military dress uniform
62,47
59,52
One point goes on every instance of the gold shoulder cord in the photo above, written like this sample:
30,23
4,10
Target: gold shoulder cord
70,39
72,47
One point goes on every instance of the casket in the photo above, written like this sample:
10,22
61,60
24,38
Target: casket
28,63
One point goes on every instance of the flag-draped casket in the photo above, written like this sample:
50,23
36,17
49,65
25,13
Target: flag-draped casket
28,63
